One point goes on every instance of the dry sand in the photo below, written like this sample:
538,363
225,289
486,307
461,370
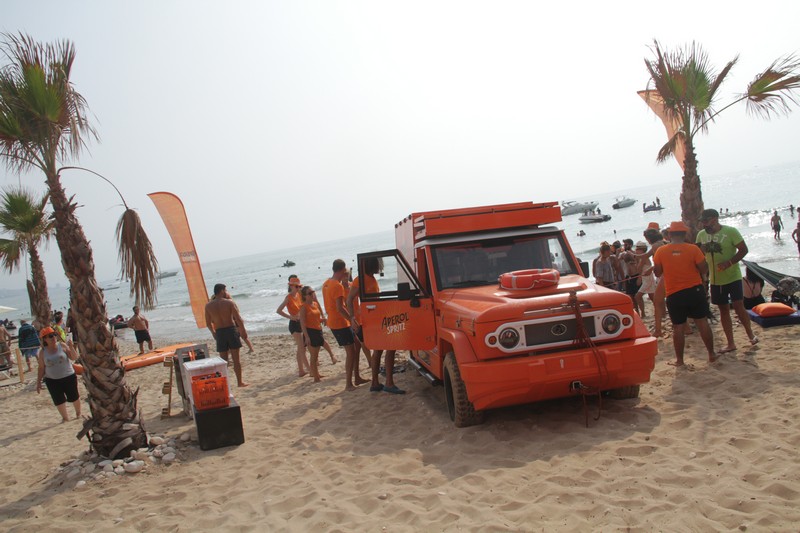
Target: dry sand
702,449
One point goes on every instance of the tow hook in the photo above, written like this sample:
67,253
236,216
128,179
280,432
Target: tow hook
577,386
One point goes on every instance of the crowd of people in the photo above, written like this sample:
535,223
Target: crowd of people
681,277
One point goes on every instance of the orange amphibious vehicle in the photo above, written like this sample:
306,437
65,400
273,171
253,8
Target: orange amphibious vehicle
492,303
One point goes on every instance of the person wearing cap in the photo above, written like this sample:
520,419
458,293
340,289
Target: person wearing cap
290,308
724,247
682,266
55,368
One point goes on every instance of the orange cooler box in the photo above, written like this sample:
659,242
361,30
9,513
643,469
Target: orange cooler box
208,367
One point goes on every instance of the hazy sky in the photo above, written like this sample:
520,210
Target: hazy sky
282,124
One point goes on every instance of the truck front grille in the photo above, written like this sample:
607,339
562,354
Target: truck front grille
556,332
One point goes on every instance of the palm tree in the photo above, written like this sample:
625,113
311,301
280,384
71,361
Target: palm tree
686,86
43,122
25,218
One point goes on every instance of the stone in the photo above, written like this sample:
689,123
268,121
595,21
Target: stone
133,467
119,469
109,468
168,458
102,464
117,462
158,453
140,456
80,484
73,473
88,469
153,460
156,441
168,449
185,437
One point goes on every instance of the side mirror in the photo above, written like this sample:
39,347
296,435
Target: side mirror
585,268
404,291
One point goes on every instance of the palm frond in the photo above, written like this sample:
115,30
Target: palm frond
138,263
10,255
668,150
772,90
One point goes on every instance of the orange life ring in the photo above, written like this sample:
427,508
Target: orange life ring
536,278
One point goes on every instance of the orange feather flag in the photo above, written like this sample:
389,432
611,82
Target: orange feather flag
672,124
173,214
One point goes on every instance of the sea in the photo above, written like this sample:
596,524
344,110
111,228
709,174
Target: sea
257,283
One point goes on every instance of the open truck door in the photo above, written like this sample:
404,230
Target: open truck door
400,315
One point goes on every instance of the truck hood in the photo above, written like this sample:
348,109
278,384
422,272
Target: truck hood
492,303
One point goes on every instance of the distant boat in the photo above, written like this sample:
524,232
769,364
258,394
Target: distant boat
623,201
652,207
288,264
574,208
111,286
162,275
593,219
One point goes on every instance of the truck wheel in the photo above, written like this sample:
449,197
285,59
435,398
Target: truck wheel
624,393
462,412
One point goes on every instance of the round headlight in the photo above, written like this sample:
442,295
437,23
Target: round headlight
508,338
611,324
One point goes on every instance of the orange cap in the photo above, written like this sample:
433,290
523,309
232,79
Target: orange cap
46,331
653,225
678,227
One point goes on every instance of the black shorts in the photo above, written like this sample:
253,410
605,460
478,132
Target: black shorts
631,287
142,335
725,294
344,336
294,327
315,336
359,333
688,303
228,339
63,390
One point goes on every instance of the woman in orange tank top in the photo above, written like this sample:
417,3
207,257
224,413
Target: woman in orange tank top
292,304
311,323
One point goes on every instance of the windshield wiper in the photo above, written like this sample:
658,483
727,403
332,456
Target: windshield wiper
471,283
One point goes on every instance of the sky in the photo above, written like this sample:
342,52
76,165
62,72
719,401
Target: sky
282,124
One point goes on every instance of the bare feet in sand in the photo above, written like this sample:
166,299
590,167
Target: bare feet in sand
727,349
334,360
361,381
675,363
349,388
243,384
754,340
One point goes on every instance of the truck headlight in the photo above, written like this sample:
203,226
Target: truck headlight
611,324
508,338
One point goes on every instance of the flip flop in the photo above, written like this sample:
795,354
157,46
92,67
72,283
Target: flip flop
377,388
394,390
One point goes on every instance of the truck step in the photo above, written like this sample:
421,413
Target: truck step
424,372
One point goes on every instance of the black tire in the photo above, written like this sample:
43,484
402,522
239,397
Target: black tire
461,410
624,393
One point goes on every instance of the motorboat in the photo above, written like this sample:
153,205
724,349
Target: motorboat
652,207
162,275
575,208
622,202
593,219
288,263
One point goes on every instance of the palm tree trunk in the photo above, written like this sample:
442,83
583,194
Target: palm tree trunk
691,195
37,289
115,427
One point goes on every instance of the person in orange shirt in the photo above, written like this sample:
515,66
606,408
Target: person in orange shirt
311,323
290,308
683,266
333,295
371,267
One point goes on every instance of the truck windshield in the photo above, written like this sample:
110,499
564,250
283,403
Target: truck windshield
471,264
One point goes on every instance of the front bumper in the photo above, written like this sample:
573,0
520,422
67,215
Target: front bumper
532,378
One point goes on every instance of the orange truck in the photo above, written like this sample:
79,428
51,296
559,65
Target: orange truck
492,303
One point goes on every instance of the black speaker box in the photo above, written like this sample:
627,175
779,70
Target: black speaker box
217,428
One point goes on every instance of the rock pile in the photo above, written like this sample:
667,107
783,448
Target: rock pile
93,467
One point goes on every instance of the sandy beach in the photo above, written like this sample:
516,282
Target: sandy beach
703,448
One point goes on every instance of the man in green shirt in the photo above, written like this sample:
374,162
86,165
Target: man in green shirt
724,248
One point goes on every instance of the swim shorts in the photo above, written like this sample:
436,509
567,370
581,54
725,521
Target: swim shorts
315,336
725,294
344,336
294,326
142,335
359,332
631,286
688,303
30,353
228,339
63,390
